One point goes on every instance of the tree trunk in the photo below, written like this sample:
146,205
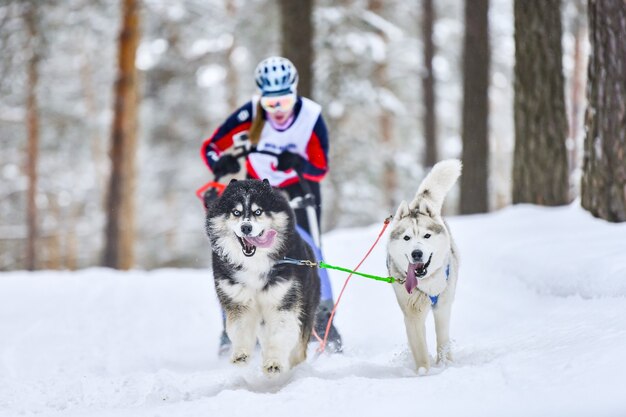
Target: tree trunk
119,234
71,244
475,130
98,159
428,85
297,40
32,127
603,185
385,120
52,242
232,74
540,169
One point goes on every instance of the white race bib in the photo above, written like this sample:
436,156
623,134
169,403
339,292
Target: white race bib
294,139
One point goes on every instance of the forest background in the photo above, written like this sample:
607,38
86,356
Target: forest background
104,106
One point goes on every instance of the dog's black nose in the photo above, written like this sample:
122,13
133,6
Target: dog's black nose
246,228
417,255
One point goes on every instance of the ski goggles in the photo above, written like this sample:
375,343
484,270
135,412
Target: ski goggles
278,103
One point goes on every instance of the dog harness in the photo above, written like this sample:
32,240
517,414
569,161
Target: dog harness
435,298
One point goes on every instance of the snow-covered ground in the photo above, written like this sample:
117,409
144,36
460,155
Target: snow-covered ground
539,326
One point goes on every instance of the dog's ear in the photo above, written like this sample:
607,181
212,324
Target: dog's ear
402,211
233,180
422,204
266,181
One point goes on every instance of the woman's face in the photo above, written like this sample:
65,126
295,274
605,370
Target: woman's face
279,108
280,117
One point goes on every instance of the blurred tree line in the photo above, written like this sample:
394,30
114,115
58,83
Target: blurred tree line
104,105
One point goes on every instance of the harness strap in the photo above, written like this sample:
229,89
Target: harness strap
435,298
299,262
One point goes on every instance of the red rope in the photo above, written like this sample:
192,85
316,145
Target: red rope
322,346
211,184
319,339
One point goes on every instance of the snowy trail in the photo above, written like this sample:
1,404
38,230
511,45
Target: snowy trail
539,325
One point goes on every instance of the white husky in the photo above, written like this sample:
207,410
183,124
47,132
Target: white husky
423,256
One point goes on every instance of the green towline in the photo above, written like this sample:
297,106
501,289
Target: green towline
389,280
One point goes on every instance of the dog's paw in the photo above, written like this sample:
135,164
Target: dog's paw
272,367
240,358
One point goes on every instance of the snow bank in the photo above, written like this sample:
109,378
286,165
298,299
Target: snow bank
555,251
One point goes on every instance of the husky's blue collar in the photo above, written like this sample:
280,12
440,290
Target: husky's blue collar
435,298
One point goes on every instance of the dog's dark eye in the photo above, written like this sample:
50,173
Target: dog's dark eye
407,237
258,212
236,213
427,235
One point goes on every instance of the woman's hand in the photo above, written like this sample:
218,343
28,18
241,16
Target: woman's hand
288,160
227,164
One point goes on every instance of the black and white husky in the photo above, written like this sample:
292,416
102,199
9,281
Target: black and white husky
422,254
251,228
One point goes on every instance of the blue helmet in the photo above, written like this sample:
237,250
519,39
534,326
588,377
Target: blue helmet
276,76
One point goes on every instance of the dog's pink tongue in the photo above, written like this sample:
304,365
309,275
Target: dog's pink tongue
264,241
411,281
